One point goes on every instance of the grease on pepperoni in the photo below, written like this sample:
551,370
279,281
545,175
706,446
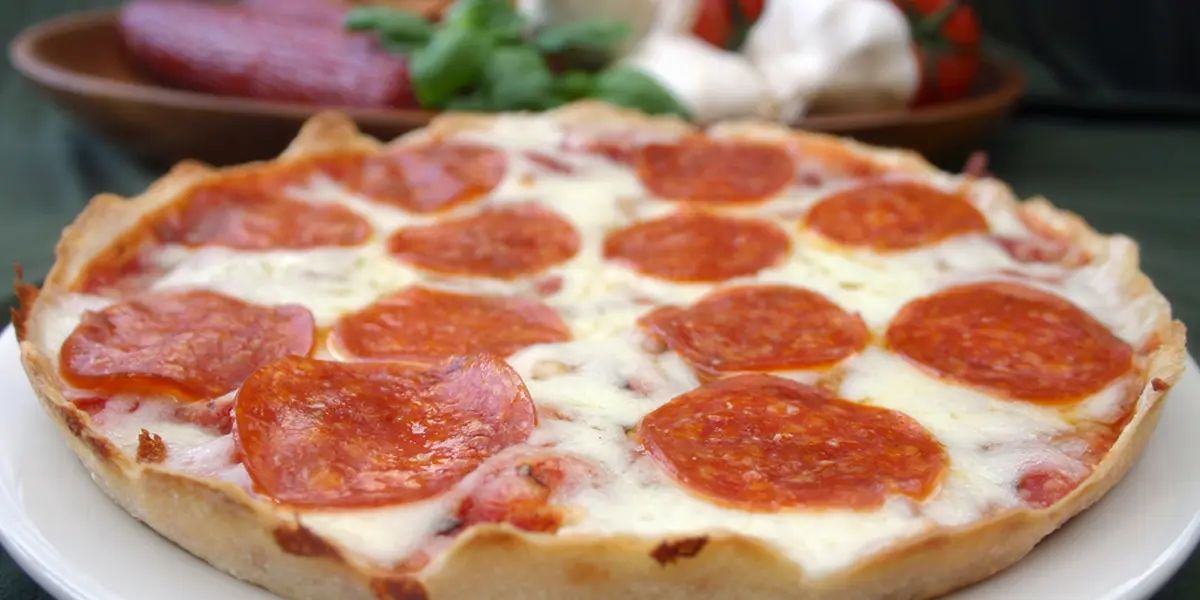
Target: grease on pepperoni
890,216
700,170
195,345
759,328
698,246
248,213
321,433
503,243
765,443
430,177
1012,340
420,325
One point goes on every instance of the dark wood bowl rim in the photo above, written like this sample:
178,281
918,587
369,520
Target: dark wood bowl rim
1009,85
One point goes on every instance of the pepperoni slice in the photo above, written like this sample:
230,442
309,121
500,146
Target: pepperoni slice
248,214
1011,339
431,177
715,172
698,246
523,492
322,433
764,443
889,216
504,243
759,328
422,325
245,211
195,345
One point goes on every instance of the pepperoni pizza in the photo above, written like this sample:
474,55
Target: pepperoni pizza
593,354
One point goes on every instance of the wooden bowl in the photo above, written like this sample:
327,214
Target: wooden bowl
80,62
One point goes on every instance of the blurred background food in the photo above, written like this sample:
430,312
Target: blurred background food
227,81
704,59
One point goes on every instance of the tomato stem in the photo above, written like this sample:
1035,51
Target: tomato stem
931,24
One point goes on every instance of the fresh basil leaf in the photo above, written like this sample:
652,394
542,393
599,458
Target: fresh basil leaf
363,18
452,61
632,88
482,14
405,27
400,46
582,35
517,78
574,85
509,31
399,31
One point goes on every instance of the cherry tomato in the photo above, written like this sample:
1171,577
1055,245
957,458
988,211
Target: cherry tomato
751,9
724,23
714,22
946,35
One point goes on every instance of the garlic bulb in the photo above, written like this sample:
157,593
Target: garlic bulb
834,56
711,83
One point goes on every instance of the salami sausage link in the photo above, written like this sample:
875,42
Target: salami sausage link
232,50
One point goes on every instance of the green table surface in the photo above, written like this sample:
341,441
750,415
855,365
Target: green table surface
1135,177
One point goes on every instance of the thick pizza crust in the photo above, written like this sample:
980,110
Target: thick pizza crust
249,539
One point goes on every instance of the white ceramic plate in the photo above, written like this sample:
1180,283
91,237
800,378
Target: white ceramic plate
79,546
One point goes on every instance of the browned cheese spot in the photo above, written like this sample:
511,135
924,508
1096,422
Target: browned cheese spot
398,588
299,541
73,417
151,448
671,551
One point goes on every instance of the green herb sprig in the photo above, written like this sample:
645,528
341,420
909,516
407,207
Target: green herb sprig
484,56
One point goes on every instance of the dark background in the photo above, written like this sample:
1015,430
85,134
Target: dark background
1110,129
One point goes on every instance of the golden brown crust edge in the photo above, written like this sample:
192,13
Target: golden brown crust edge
222,525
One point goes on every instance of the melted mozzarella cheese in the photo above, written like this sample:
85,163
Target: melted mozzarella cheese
327,282
384,536
595,389
123,426
61,318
